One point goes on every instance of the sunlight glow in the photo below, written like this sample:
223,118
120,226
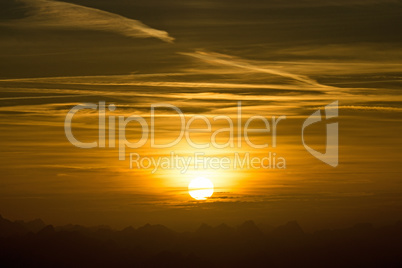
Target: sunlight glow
201,188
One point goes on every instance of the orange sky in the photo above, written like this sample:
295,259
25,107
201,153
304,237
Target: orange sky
52,62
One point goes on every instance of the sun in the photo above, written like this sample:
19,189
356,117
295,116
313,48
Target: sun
201,188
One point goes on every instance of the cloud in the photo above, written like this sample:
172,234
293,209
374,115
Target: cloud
311,3
61,15
367,108
227,60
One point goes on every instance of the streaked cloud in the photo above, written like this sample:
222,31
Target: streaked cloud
375,108
62,15
223,59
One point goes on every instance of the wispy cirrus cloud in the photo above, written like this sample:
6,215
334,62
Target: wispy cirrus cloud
62,15
228,60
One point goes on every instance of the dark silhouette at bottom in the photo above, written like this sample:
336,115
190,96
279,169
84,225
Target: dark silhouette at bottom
34,244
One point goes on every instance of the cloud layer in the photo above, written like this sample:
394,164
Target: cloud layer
61,15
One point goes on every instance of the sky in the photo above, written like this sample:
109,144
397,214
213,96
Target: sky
278,58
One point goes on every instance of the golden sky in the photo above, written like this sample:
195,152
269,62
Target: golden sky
278,58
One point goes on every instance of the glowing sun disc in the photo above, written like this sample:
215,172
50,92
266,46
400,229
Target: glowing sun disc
200,188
